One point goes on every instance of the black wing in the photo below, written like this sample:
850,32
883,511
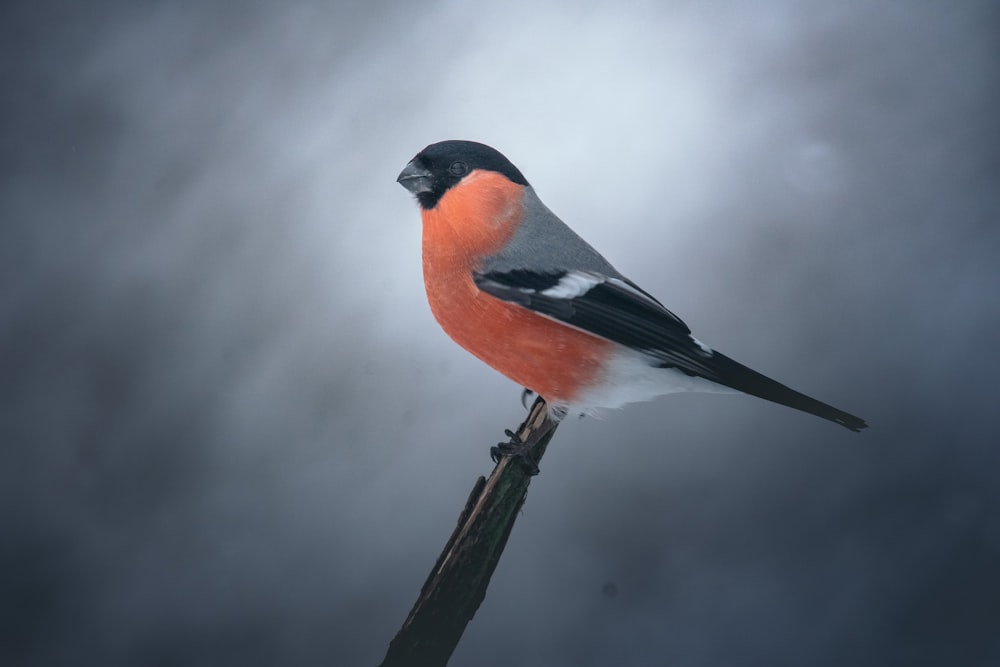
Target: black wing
618,310
612,308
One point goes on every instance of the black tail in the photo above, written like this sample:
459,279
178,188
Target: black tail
737,376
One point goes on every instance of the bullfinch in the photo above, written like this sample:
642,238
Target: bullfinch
516,287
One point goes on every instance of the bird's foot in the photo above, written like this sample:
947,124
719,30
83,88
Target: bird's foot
527,395
516,448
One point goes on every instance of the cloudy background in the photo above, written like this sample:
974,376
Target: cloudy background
231,432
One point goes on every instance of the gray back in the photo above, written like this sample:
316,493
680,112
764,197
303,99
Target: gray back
545,244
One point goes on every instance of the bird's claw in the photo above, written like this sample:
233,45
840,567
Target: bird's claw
515,448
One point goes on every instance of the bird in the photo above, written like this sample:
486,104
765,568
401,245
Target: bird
512,283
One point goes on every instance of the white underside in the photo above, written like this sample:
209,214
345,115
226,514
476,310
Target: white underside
632,377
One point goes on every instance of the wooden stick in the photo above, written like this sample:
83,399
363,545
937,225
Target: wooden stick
457,584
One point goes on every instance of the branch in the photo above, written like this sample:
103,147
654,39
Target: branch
457,584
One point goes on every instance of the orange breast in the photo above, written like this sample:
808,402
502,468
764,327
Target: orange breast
473,221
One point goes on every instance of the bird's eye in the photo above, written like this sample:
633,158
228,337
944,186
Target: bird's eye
459,168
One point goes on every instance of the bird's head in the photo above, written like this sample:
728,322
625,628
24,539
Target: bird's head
443,165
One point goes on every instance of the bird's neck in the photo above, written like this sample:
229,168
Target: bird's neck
473,220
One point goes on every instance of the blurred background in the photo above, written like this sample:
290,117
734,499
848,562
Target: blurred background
231,432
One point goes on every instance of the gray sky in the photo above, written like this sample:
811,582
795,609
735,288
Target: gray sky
233,434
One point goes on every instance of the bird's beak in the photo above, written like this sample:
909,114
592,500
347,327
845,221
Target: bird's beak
416,179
